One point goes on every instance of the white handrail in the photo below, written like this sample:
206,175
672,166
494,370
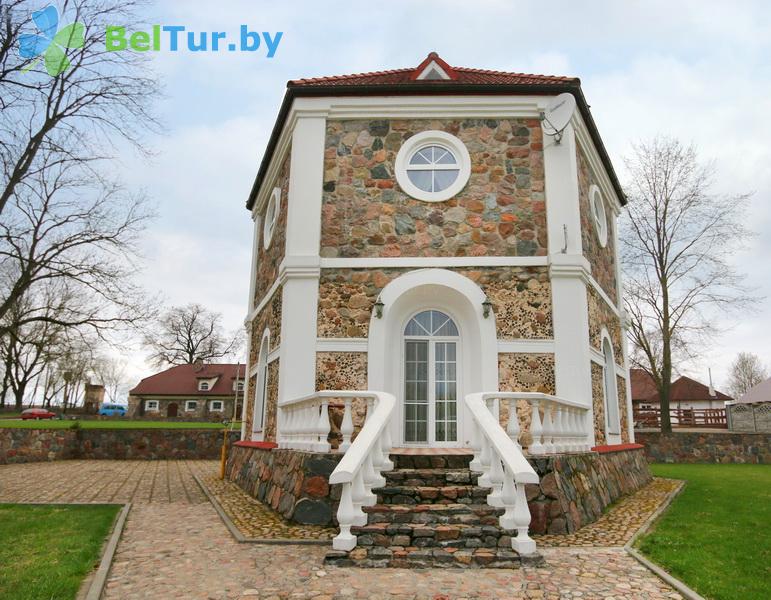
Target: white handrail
359,469
504,469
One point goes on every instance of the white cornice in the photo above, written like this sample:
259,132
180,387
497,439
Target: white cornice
586,144
525,346
430,262
341,344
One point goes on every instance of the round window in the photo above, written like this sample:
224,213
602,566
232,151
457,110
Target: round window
271,217
433,166
599,217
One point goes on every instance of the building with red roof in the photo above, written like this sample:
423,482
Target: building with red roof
686,393
211,392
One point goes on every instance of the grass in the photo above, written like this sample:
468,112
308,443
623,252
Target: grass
716,535
112,424
46,551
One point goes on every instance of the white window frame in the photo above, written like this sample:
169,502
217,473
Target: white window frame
432,138
203,386
610,392
238,386
271,217
188,403
261,389
153,405
599,215
220,409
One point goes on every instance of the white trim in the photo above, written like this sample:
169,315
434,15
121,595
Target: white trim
274,354
596,165
424,262
188,403
447,142
433,66
221,408
597,288
610,438
525,346
267,297
599,217
341,344
261,389
155,407
598,358
269,226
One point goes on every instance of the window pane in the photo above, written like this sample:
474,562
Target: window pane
451,349
444,179
422,371
445,157
440,431
452,432
423,180
420,158
440,410
440,391
440,352
422,432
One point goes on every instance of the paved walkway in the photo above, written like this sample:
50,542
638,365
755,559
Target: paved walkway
175,546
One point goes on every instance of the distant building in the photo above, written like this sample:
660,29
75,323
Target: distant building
93,398
198,392
760,393
686,393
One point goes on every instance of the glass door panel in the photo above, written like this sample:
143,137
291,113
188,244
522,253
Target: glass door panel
416,391
445,392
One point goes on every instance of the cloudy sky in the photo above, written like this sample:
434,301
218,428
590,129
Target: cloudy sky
696,70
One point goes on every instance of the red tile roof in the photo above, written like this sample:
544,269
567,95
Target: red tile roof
402,82
182,380
458,75
684,389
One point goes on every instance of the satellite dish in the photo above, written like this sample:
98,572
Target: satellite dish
557,115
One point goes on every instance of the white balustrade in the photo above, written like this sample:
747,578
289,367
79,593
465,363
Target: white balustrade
359,469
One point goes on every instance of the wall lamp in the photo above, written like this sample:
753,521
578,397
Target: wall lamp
487,306
379,309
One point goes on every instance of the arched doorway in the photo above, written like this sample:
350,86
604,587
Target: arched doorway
261,389
431,356
171,410
406,329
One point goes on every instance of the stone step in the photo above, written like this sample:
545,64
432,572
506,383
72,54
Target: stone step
421,558
433,535
430,477
469,514
429,461
450,494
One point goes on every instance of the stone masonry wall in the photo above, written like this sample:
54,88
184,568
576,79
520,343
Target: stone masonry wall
500,212
291,482
37,445
600,315
705,447
598,404
521,298
524,373
602,260
268,260
573,491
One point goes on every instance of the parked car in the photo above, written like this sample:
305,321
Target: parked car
37,413
112,410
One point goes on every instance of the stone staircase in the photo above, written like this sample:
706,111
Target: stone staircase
432,513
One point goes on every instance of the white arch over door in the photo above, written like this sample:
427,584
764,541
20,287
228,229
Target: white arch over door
460,298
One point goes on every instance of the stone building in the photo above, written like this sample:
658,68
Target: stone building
430,260
203,392
419,221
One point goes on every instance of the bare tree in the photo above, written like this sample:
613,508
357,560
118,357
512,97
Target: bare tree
186,334
676,243
746,372
76,102
111,373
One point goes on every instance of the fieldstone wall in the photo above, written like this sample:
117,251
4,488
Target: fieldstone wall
521,298
291,482
598,403
271,406
37,445
705,447
576,488
268,260
622,409
524,373
500,212
602,260
268,318
573,492
600,315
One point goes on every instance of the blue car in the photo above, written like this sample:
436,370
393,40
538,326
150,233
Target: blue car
113,410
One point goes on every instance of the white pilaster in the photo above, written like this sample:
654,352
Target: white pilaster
300,268
568,270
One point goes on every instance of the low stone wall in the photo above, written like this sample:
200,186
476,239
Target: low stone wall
574,488
292,482
706,447
36,445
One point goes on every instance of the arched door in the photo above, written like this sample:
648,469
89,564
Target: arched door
430,401
171,410
612,417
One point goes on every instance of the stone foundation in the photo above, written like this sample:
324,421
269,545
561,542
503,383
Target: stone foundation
574,488
292,482
706,447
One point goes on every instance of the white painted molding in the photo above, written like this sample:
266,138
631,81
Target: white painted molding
274,354
342,344
605,298
569,266
296,267
525,346
585,143
421,262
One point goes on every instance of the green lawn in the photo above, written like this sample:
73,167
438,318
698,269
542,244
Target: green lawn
716,535
111,424
46,551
